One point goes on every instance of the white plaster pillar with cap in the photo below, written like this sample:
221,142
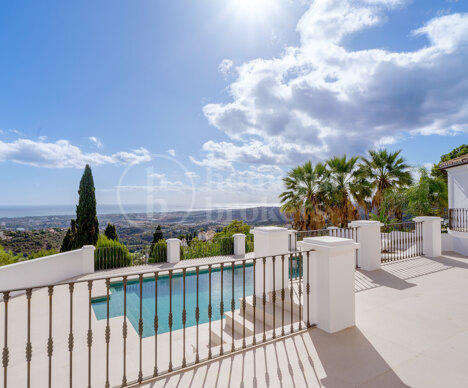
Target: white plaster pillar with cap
270,241
173,250
368,236
292,239
239,244
329,270
432,240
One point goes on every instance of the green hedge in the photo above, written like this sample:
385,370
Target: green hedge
111,254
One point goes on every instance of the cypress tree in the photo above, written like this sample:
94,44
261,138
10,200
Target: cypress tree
157,235
87,231
69,240
111,232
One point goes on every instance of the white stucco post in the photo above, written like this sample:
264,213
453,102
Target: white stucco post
432,241
88,258
292,240
239,244
368,236
329,269
173,250
270,241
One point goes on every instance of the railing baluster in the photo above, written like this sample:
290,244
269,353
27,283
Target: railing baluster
197,316
156,324
233,307
28,343
291,293
107,334
71,340
254,303
221,311
308,289
89,336
243,304
264,300
50,343
209,312
184,320
170,321
124,332
140,328
5,352
282,295
300,290
274,297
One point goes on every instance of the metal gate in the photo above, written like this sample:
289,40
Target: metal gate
401,241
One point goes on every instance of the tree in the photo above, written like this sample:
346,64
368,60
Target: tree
69,241
234,227
157,235
346,186
385,171
85,229
110,232
304,195
86,218
429,197
455,153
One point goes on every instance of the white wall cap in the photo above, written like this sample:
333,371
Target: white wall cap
172,239
328,241
269,229
238,235
292,231
365,223
89,247
426,218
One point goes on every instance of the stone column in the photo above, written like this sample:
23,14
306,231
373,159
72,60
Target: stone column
239,244
329,270
270,241
432,241
173,250
368,236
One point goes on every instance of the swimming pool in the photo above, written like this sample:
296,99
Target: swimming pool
116,302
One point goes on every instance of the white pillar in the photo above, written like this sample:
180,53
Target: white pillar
173,250
331,302
270,241
239,244
292,240
368,236
88,258
432,241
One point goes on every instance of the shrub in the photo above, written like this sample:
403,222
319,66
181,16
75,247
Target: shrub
158,252
42,253
111,254
8,257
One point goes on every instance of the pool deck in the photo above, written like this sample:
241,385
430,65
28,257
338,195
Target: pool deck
411,331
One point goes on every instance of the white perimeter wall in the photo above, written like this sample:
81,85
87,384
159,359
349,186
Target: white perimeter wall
47,270
458,186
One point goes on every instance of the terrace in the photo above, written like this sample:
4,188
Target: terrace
262,318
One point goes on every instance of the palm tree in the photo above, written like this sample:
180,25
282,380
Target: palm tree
303,198
346,186
384,170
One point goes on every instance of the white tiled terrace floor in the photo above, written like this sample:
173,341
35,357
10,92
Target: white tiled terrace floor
411,331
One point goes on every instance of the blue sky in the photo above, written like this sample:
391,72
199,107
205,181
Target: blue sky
179,104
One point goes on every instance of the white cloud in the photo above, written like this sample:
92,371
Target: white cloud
225,67
191,174
62,154
321,99
96,141
171,152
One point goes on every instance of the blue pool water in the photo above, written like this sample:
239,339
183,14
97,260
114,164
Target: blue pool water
116,302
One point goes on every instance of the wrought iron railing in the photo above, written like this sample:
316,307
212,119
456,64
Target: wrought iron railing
128,328
458,219
350,233
401,241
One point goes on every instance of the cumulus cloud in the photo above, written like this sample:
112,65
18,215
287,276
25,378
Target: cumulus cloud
225,67
191,174
321,99
96,141
62,154
171,152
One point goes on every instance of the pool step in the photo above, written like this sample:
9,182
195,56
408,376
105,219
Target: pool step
273,314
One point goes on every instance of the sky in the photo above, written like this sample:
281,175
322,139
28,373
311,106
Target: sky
198,104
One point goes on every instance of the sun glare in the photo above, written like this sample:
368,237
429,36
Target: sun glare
253,9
